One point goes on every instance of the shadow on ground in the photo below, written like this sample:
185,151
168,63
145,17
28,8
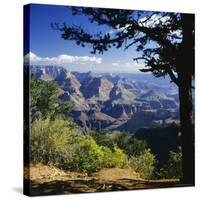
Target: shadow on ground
94,185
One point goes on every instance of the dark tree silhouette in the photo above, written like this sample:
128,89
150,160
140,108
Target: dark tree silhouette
166,41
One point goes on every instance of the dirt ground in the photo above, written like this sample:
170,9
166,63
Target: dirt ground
47,180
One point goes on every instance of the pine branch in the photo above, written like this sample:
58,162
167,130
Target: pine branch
172,76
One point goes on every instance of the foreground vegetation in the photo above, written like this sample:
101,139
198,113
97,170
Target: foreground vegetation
56,140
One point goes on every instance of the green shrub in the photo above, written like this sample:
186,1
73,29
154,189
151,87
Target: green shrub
103,139
113,158
86,155
44,102
119,158
49,139
129,144
56,142
107,161
173,168
144,164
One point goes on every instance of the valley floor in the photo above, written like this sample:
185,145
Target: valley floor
48,180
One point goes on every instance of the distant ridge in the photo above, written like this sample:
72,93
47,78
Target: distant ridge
113,101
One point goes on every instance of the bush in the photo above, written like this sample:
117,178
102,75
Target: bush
119,158
44,102
56,142
113,158
144,164
86,155
49,139
103,139
173,168
129,144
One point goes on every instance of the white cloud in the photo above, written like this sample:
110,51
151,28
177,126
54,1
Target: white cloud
158,19
127,66
151,22
154,20
114,31
61,59
31,57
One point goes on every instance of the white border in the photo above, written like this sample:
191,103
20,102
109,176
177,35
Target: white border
11,99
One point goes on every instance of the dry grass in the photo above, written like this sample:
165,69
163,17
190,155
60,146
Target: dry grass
112,174
43,173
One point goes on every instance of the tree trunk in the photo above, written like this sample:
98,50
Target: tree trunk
185,73
187,129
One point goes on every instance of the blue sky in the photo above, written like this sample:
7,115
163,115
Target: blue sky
47,46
